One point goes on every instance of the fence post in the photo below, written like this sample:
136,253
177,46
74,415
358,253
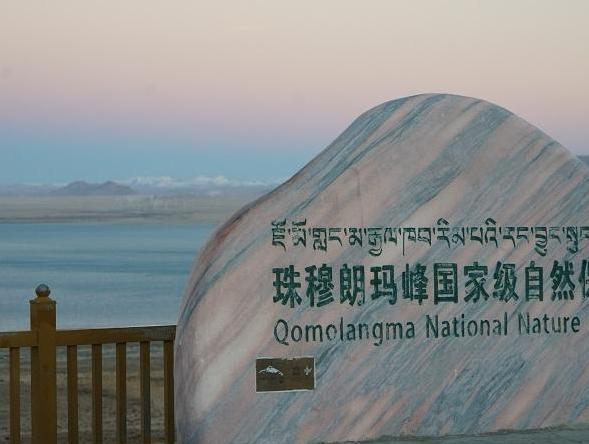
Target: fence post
43,363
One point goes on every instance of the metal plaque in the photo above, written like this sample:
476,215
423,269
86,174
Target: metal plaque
285,374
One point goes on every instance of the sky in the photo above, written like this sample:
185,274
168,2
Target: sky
253,90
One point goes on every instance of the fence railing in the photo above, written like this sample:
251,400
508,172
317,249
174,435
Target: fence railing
43,340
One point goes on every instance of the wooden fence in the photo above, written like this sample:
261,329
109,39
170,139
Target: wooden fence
43,340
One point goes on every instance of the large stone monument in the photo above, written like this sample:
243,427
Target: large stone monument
426,274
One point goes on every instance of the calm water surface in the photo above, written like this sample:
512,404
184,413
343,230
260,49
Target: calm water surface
100,274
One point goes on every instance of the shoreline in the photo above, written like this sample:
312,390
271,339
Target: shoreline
121,209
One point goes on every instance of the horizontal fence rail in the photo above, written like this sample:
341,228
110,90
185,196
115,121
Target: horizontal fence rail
18,339
43,340
114,335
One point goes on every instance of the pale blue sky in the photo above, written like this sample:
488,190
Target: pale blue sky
254,89
60,157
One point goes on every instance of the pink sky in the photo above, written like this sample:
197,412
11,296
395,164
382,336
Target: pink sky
254,73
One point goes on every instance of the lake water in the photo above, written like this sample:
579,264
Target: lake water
100,274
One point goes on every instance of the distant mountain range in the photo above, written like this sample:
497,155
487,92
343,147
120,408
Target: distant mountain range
197,186
150,186
81,188
153,186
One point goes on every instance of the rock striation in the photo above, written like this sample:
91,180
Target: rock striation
438,161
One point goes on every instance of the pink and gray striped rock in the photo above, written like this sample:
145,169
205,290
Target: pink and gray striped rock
404,164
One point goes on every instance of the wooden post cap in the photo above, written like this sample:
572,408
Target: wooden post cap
42,291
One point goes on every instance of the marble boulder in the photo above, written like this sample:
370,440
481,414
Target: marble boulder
494,192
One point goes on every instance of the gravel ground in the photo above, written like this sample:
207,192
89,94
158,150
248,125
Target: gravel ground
561,435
